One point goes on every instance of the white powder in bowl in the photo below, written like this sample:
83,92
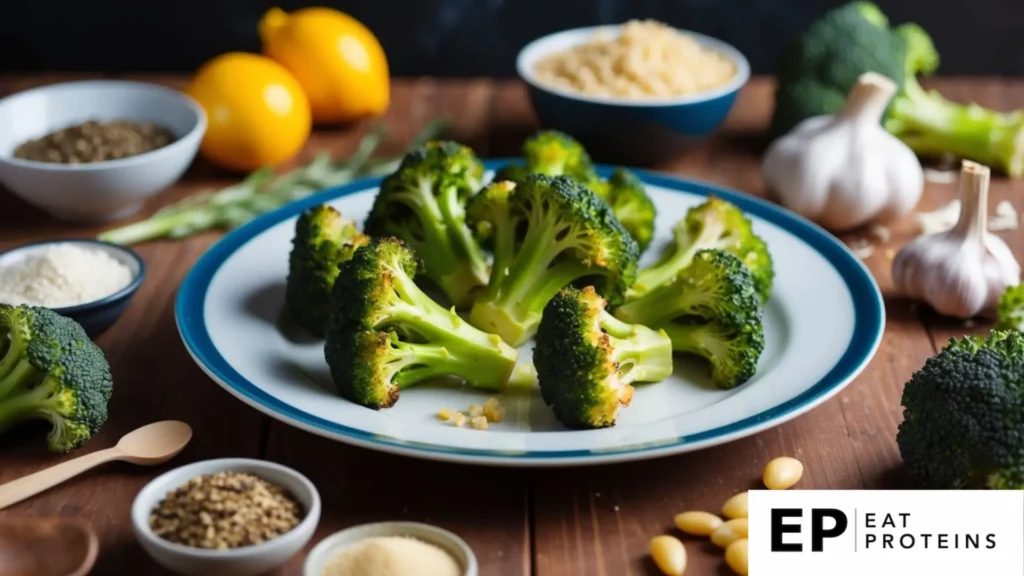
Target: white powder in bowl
62,275
392,556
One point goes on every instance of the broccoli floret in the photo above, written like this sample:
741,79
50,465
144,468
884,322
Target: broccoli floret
51,370
1010,312
587,360
627,196
323,240
548,232
384,333
555,153
818,70
963,415
423,203
714,224
711,309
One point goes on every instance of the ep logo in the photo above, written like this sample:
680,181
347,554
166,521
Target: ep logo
824,523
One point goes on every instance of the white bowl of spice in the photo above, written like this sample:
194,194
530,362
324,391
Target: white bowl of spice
229,517
96,150
391,549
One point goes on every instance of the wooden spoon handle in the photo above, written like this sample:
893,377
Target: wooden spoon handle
17,490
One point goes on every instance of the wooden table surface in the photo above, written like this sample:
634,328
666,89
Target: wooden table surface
595,520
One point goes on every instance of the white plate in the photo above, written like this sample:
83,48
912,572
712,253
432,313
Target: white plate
822,326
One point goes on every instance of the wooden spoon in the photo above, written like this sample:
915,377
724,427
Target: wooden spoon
152,444
47,547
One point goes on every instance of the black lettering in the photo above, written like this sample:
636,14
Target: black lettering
869,520
888,522
904,515
818,531
886,540
779,528
925,537
869,539
973,540
943,541
903,541
991,539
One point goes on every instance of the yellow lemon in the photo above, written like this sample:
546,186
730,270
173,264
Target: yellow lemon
257,114
337,60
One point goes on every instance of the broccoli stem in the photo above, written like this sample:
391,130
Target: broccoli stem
931,125
664,301
678,258
643,354
24,402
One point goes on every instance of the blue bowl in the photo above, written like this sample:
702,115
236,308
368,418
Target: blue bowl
100,314
640,132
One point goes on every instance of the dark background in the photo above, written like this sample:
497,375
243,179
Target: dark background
462,37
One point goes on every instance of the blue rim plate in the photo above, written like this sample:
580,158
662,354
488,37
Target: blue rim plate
802,246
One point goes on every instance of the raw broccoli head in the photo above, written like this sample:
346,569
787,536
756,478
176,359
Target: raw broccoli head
710,309
1010,312
423,203
50,369
587,360
555,153
323,240
384,333
549,232
627,196
963,415
714,224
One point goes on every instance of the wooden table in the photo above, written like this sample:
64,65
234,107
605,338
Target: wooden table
595,520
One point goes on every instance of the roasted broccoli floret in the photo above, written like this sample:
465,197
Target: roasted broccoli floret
963,415
587,360
714,224
384,333
323,240
51,370
820,68
1010,312
711,309
555,153
626,194
423,203
547,232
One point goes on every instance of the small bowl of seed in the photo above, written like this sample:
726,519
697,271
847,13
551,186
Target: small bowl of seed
95,150
230,517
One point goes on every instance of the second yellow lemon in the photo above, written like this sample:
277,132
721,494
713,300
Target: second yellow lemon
256,111
339,62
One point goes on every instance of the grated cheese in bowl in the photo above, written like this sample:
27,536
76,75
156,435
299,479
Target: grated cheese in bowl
61,275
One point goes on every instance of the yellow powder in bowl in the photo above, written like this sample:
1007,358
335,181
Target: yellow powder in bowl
392,556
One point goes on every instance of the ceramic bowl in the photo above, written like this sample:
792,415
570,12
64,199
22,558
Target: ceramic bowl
98,315
247,561
334,544
98,191
619,130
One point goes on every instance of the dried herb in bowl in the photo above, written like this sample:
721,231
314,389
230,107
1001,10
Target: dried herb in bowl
95,141
225,510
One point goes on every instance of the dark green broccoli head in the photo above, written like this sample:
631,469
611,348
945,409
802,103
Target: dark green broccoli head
549,232
373,287
370,367
714,224
1010,312
322,241
818,69
732,350
963,415
627,196
423,203
587,360
555,153
51,370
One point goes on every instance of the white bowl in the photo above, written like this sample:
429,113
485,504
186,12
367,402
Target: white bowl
247,561
334,544
97,191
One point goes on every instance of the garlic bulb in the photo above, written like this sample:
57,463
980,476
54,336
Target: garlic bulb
960,272
846,170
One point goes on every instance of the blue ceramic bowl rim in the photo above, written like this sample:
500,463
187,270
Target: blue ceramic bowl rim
196,132
125,292
527,57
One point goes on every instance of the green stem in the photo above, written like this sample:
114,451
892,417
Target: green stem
643,354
